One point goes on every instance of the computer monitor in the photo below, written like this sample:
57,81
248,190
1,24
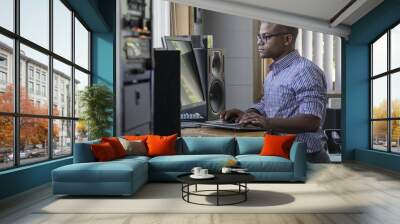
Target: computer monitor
191,89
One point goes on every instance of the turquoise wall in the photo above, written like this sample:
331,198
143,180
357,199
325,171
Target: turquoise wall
103,63
356,112
356,92
24,178
102,59
99,16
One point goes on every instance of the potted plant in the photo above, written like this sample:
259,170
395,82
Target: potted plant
96,102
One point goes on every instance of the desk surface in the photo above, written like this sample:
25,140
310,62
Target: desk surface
218,132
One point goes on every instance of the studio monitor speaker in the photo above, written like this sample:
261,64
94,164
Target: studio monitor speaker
216,83
166,92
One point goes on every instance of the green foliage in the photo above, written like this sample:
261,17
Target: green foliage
97,103
380,127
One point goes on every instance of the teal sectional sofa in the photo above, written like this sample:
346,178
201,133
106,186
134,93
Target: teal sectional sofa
125,176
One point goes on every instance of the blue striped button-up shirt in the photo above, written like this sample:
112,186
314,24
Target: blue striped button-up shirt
293,86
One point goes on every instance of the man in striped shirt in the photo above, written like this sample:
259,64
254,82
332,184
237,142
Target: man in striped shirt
294,98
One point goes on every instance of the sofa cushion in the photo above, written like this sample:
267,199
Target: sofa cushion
249,145
103,152
136,137
116,145
207,145
135,147
257,163
185,163
277,145
112,171
161,145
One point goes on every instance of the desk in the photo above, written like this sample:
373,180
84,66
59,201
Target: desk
218,132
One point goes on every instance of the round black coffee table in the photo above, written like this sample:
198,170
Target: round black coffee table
238,179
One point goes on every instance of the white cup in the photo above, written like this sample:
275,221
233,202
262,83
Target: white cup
226,170
196,171
203,172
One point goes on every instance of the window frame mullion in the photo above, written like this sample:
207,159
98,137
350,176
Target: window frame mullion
389,101
73,83
16,69
50,81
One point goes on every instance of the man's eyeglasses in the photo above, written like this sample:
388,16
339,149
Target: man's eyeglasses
264,37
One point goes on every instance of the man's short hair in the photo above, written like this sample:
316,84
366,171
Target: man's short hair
292,30
289,29
286,29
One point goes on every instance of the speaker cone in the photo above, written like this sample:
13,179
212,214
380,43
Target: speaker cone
216,96
216,63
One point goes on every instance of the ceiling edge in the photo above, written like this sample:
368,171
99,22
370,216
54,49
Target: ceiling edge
270,15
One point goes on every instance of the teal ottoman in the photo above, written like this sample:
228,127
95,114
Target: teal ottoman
118,177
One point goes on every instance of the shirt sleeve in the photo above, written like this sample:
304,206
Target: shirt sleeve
310,88
259,106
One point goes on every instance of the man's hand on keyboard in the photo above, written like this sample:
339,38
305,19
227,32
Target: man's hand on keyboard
232,115
255,119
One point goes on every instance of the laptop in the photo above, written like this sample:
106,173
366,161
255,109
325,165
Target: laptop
232,126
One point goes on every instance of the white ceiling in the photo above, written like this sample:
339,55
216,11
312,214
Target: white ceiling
321,9
313,15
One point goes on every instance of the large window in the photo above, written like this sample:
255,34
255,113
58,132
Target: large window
385,95
44,64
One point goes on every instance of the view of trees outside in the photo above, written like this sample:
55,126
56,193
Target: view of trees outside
395,110
33,138
395,127
81,131
380,138
81,82
379,128
6,141
34,81
62,144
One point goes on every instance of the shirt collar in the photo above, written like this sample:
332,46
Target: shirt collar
284,62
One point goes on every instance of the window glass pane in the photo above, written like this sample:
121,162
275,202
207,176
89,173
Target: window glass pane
395,47
379,135
6,142
395,136
36,102
395,94
81,81
379,55
62,89
35,21
33,139
81,45
62,29
81,131
6,74
379,97
62,138
7,14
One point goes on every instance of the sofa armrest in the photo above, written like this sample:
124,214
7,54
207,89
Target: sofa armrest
83,152
298,157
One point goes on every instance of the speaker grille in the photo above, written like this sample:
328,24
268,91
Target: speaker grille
215,83
216,96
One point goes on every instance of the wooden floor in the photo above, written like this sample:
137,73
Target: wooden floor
377,188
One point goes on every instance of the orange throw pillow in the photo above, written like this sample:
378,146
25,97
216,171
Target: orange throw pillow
116,145
136,137
161,145
103,152
277,145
